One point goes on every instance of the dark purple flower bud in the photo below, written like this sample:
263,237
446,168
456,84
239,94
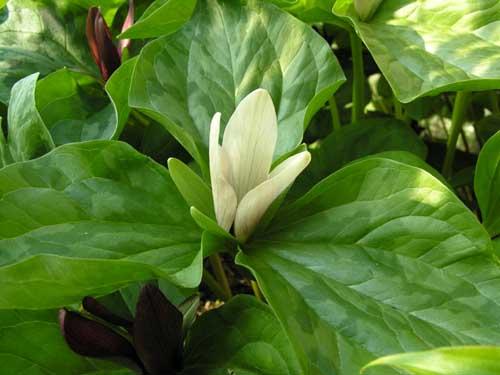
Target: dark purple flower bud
101,45
158,336
92,339
97,309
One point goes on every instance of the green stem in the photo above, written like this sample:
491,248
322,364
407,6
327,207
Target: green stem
457,120
140,118
220,275
398,109
495,108
256,291
213,285
358,86
334,112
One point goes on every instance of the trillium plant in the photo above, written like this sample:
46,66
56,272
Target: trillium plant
249,187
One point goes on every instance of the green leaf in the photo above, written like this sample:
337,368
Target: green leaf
425,47
117,87
31,343
413,160
191,186
163,17
108,7
75,108
88,219
209,224
309,10
468,360
5,156
487,184
41,36
226,51
28,136
378,258
368,137
243,337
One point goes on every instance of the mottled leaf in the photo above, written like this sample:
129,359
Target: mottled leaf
378,258
424,47
242,338
468,360
487,184
87,219
31,343
163,17
41,36
223,53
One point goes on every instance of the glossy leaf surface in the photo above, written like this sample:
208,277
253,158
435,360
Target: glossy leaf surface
378,258
87,219
222,54
424,47
242,338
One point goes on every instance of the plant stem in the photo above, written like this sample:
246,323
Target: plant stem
398,109
213,285
495,108
334,112
256,291
457,120
358,86
220,275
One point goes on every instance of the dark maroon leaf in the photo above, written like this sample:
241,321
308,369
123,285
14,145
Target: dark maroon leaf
96,308
92,339
158,332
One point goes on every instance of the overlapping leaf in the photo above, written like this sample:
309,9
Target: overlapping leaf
477,360
41,36
226,51
31,343
368,137
487,184
242,338
87,219
425,47
378,258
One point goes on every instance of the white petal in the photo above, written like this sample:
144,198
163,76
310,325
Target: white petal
254,204
223,194
250,139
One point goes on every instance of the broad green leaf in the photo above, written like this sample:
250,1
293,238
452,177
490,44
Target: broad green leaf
226,51
487,184
413,160
87,219
378,258
468,360
191,186
425,47
309,10
28,135
74,107
5,156
41,36
243,337
163,17
108,7
31,343
117,87
368,137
